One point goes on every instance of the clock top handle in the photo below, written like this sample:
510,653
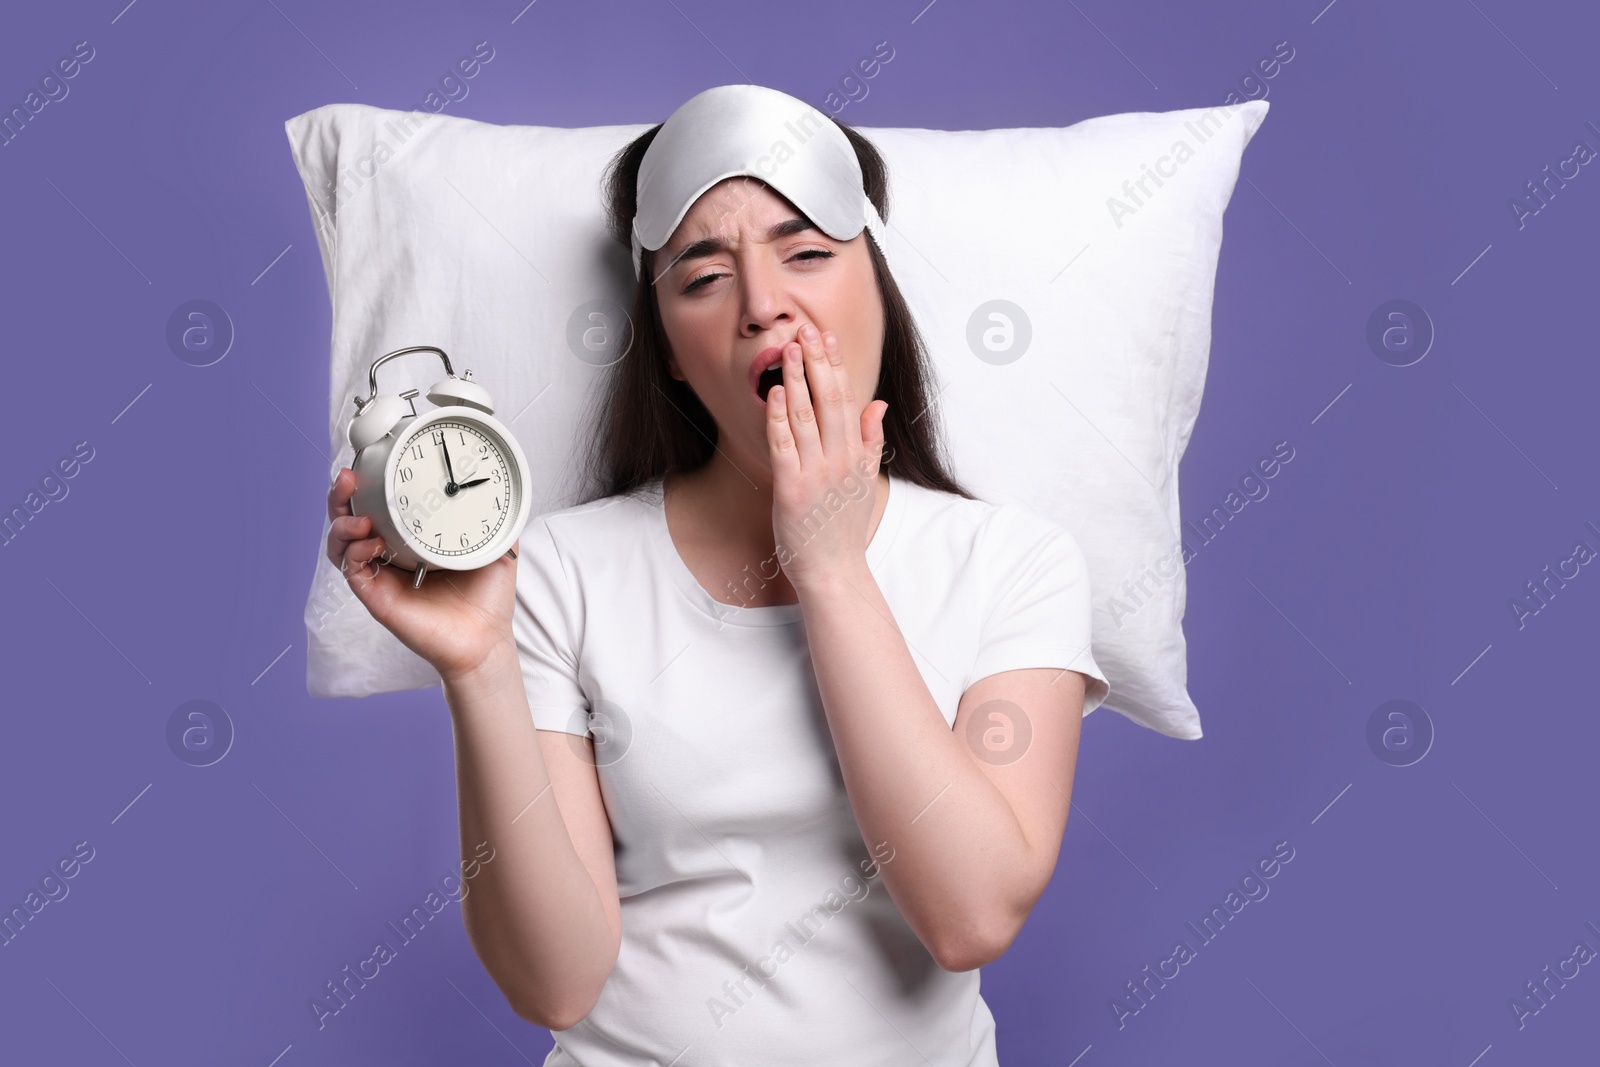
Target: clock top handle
372,375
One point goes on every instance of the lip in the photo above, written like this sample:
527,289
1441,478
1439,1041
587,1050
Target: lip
765,358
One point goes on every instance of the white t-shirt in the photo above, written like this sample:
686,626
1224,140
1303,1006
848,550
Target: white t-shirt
755,925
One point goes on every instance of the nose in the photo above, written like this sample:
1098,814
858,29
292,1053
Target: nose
764,294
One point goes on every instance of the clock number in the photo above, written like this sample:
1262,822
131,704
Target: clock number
405,501
495,474
463,437
416,524
464,541
416,451
485,526
437,540
405,474
483,450
438,438
497,503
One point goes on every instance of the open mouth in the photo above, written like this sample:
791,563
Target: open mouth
773,375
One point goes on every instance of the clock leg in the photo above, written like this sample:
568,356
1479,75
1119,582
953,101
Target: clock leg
422,569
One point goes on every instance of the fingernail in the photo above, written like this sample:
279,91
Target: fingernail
809,332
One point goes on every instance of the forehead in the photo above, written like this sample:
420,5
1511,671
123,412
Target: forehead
736,205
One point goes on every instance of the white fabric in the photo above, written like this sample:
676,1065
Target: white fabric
723,789
738,129
489,242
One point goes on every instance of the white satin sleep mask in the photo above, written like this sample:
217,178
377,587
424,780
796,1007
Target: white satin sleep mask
750,130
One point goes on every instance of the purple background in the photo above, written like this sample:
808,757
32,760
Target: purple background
1419,502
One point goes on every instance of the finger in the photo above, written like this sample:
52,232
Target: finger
849,408
339,493
378,588
802,416
362,563
826,396
346,528
780,442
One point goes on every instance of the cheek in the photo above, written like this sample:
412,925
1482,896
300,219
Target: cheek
696,361
862,333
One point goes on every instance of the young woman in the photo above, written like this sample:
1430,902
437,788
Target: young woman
775,748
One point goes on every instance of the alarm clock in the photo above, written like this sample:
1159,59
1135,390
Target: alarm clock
446,489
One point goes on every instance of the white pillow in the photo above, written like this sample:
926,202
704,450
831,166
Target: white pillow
1062,279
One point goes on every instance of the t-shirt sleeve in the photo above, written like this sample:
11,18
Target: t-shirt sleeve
546,621
1039,610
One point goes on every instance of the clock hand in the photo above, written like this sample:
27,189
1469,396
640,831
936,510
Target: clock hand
478,481
451,484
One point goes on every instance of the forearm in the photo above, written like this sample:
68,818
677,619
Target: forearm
533,915
960,855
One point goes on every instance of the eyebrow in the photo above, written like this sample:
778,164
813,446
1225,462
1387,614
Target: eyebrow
710,246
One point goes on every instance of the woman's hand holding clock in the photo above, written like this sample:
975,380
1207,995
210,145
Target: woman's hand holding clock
455,620
814,467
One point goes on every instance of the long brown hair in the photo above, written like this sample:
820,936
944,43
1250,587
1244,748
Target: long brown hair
648,423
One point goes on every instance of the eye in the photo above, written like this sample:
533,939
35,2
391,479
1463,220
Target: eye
807,253
699,282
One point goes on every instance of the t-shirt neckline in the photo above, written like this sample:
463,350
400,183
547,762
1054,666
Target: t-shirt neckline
773,614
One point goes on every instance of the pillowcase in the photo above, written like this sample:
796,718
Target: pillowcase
1062,279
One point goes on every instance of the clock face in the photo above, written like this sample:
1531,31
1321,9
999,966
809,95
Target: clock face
453,486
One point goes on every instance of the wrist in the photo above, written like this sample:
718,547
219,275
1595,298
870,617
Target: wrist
498,669
846,579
